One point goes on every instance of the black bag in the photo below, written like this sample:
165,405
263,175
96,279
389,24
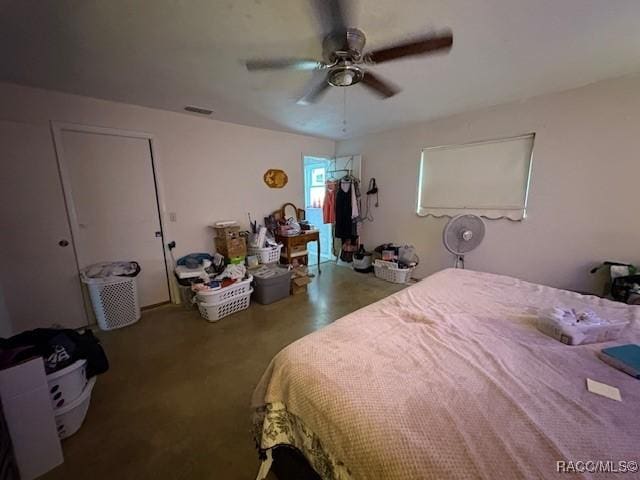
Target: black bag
59,348
623,287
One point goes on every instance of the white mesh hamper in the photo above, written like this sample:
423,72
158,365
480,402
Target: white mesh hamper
115,301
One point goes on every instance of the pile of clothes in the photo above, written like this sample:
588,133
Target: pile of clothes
230,275
59,348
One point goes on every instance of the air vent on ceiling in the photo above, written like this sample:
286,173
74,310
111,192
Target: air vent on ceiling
200,110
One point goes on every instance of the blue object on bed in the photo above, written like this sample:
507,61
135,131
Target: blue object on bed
623,357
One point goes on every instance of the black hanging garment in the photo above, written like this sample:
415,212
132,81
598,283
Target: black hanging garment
346,226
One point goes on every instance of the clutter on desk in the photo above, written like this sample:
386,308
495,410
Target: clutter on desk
290,228
395,263
305,225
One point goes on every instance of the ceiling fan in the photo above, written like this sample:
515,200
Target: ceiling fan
343,56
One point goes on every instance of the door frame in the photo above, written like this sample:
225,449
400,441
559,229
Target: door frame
57,129
330,159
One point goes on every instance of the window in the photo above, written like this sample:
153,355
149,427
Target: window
317,177
488,178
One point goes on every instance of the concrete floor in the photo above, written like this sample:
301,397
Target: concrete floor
175,403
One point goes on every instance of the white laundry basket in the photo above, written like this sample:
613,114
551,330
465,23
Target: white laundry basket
217,296
69,418
67,384
390,272
266,254
215,311
115,301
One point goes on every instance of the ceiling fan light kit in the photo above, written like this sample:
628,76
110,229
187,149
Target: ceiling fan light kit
344,56
345,75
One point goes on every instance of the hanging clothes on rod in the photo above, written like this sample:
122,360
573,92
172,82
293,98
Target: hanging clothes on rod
347,215
329,205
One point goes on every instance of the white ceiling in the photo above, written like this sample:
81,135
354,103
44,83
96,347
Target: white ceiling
171,53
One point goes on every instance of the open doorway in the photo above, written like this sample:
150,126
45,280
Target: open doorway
315,172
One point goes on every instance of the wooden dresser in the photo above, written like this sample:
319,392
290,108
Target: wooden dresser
291,244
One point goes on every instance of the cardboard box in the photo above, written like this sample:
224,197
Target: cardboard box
26,402
299,285
227,232
231,247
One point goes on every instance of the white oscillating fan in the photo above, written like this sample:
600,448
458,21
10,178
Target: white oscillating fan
461,235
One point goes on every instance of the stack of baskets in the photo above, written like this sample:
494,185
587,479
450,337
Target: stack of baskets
217,304
70,393
391,272
267,254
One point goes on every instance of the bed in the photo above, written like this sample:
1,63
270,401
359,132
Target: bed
450,378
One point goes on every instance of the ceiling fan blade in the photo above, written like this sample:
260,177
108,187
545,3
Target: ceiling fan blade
317,88
303,64
332,15
380,87
430,43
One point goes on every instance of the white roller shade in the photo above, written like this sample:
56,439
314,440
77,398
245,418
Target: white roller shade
490,178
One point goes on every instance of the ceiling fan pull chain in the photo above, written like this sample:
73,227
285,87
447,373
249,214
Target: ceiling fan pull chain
344,111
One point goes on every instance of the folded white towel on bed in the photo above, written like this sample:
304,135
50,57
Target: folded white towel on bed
572,317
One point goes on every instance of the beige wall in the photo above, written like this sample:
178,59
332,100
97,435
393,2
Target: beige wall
583,203
209,170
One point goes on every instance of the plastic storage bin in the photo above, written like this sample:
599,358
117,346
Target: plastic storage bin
217,296
69,418
115,301
67,384
390,272
271,284
267,254
215,311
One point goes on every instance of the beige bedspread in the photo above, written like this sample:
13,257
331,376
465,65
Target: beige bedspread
450,379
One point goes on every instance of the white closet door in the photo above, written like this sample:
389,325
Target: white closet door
38,270
115,204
